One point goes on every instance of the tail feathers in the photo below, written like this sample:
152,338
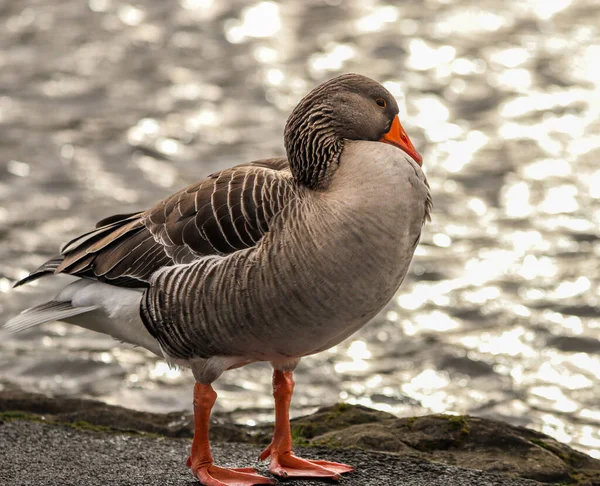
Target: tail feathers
49,267
95,306
78,255
46,312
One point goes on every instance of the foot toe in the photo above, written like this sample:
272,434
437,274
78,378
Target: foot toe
220,476
250,470
288,465
335,466
265,454
279,471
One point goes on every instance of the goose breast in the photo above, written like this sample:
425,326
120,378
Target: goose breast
330,262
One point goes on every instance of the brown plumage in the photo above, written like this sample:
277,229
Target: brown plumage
228,211
267,261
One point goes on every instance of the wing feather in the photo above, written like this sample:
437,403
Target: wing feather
228,211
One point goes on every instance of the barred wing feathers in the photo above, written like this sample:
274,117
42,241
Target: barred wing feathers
228,211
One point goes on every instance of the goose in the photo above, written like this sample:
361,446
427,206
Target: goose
271,260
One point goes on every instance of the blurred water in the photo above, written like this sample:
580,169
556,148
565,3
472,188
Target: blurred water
106,107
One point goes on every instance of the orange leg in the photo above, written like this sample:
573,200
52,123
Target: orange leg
283,461
201,460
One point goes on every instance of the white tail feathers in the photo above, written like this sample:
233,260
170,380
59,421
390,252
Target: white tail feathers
95,306
46,312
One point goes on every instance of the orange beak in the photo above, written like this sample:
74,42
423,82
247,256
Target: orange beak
398,137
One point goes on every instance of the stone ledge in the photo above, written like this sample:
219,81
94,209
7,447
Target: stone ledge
463,441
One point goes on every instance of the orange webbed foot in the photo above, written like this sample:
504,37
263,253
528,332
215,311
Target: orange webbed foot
211,475
283,461
287,465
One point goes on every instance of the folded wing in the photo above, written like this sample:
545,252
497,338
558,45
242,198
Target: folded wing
228,211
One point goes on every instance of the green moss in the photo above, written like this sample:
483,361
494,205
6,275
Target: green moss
298,437
83,425
339,416
460,422
337,410
557,452
18,415
410,422
342,407
79,424
540,443
303,431
577,479
330,442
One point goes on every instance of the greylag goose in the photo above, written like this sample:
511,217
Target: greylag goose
271,260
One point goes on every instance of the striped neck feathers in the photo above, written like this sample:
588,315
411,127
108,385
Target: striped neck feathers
313,146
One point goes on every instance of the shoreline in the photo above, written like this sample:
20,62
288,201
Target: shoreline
459,445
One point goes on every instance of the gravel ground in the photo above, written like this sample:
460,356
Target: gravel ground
43,454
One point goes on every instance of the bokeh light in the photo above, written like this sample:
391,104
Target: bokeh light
107,106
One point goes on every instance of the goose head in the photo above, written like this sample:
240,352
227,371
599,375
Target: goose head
348,107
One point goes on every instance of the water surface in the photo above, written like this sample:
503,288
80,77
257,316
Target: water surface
106,106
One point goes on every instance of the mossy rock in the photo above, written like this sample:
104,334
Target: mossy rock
470,442
475,443
99,416
336,417
374,437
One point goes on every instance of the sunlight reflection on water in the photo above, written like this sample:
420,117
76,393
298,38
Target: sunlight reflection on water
109,106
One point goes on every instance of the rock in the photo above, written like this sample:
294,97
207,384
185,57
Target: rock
336,417
326,419
468,442
472,442
99,414
35,453
375,437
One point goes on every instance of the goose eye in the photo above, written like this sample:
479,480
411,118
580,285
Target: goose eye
381,102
